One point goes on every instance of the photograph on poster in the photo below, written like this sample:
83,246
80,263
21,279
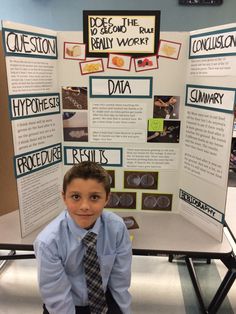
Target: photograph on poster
232,163
234,125
122,200
146,63
130,222
169,49
140,180
74,51
170,133
119,62
74,97
154,201
111,174
75,126
166,107
92,66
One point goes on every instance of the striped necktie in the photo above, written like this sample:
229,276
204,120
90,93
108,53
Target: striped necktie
96,295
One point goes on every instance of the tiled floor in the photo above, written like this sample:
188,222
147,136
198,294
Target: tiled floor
158,287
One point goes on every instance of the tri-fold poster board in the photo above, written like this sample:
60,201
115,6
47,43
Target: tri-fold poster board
154,108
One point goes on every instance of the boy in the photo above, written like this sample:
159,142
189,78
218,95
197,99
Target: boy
60,248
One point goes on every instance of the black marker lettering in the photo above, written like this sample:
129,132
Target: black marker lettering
98,43
197,96
75,160
113,29
214,42
143,30
99,22
120,87
130,22
38,159
28,106
132,41
102,160
24,43
93,31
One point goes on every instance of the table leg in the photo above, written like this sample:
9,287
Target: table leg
222,291
4,261
196,285
13,255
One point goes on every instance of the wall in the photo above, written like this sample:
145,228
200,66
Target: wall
67,14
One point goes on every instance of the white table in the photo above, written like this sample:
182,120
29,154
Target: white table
163,231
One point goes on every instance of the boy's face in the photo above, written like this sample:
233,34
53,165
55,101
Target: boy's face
85,200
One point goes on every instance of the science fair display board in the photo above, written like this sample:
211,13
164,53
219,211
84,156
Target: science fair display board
119,94
34,107
208,125
8,189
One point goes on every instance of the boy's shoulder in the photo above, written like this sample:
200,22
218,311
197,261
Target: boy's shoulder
114,228
51,230
110,217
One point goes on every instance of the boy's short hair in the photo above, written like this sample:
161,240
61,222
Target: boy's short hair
87,170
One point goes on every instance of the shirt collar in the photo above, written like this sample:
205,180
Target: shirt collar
79,232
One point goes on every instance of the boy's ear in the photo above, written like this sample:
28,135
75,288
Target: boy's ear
63,195
108,197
